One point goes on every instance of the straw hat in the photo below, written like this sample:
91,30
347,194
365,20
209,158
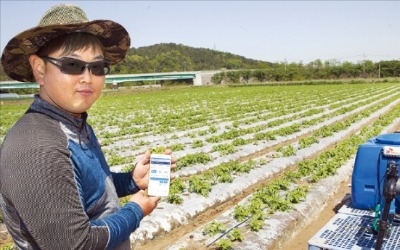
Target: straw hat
58,21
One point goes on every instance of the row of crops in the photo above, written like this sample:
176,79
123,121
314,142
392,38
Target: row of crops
273,139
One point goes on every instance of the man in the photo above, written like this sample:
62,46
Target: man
57,191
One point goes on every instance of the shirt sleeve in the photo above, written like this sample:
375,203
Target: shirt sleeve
124,184
119,221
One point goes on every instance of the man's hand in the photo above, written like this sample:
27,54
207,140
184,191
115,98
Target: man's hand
140,173
147,203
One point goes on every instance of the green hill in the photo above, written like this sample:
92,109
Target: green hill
167,57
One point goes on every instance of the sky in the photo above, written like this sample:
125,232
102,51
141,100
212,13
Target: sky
272,31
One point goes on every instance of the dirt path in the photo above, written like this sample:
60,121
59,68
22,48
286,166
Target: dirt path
300,242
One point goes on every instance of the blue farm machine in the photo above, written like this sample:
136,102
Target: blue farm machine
371,218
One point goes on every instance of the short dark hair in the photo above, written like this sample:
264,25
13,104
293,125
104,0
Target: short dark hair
71,42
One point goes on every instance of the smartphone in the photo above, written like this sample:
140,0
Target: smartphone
159,175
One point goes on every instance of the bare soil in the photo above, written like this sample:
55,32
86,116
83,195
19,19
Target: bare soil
300,241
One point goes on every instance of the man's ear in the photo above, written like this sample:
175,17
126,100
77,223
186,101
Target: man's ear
38,68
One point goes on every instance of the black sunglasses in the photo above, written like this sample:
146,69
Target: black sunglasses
72,66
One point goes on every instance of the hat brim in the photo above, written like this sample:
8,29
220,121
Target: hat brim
113,36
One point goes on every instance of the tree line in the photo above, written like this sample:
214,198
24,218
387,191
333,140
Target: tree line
171,57
313,71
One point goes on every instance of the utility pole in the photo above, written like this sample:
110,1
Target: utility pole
213,58
364,64
379,70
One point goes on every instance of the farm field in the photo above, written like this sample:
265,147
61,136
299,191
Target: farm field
256,163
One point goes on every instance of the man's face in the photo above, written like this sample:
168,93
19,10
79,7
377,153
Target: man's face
74,94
